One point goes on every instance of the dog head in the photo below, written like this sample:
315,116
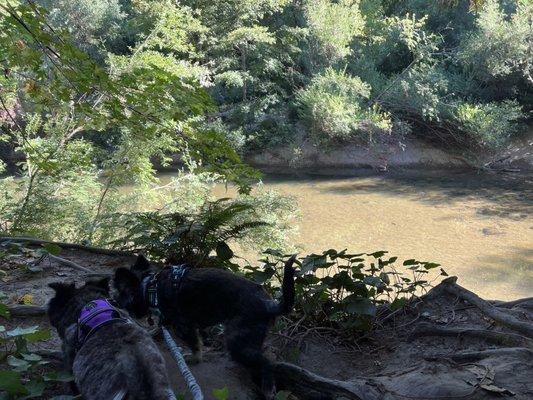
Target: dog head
128,285
65,306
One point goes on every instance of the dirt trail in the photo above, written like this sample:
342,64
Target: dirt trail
415,355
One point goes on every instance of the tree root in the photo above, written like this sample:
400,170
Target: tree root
308,384
91,249
511,304
70,264
501,338
502,317
471,356
26,311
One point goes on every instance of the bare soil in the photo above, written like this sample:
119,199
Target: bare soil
417,353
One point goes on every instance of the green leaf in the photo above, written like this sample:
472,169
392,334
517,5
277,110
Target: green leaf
4,311
411,261
10,381
34,268
282,395
398,303
312,262
360,306
378,254
35,389
18,364
431,265
31,334
384,277
22,331
52,248
61,376
223,251
32,357
221,394
443,273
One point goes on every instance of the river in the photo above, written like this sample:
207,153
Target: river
477,225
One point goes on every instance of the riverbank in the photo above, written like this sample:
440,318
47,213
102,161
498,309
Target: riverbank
389,152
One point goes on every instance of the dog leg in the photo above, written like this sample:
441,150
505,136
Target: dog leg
190,334
245,341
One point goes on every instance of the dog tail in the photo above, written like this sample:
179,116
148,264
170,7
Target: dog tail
286,303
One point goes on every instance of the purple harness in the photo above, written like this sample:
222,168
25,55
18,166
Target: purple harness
94,315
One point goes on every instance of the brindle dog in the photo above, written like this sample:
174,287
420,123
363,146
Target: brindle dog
209,296
118,360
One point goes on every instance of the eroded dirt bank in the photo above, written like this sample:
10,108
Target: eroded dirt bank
390,152
445,345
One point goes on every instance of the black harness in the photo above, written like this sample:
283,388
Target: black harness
151,288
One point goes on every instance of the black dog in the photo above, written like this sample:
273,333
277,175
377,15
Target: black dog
110,356
190,299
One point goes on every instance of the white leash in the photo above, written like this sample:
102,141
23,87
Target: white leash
193,386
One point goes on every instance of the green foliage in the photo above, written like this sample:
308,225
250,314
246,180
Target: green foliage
95,94
347,291
333,107
499,46
23,374
94,25
202,234
221,394
489,124
332,27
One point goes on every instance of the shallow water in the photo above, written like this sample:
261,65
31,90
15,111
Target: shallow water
478,226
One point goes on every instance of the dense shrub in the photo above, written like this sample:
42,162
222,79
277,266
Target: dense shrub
490,124
335,108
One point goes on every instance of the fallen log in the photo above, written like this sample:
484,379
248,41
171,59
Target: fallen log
26,311
486,308
501,338
307,384
66,245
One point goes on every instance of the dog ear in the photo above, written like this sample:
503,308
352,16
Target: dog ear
100,283
63,290
125,279
141,264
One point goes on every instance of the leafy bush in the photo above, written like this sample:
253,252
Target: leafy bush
499,47
489,125
333,107
332,27
24,374
351,292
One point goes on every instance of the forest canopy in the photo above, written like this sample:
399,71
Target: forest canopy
98,94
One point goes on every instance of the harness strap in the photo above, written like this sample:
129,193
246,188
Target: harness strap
150,285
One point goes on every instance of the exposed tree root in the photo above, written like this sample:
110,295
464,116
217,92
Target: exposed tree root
471,356
70,264
488,309
26,311
501,338
310,385
511,304
65,245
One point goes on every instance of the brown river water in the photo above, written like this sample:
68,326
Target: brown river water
478,226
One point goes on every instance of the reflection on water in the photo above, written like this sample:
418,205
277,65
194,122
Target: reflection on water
478,226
